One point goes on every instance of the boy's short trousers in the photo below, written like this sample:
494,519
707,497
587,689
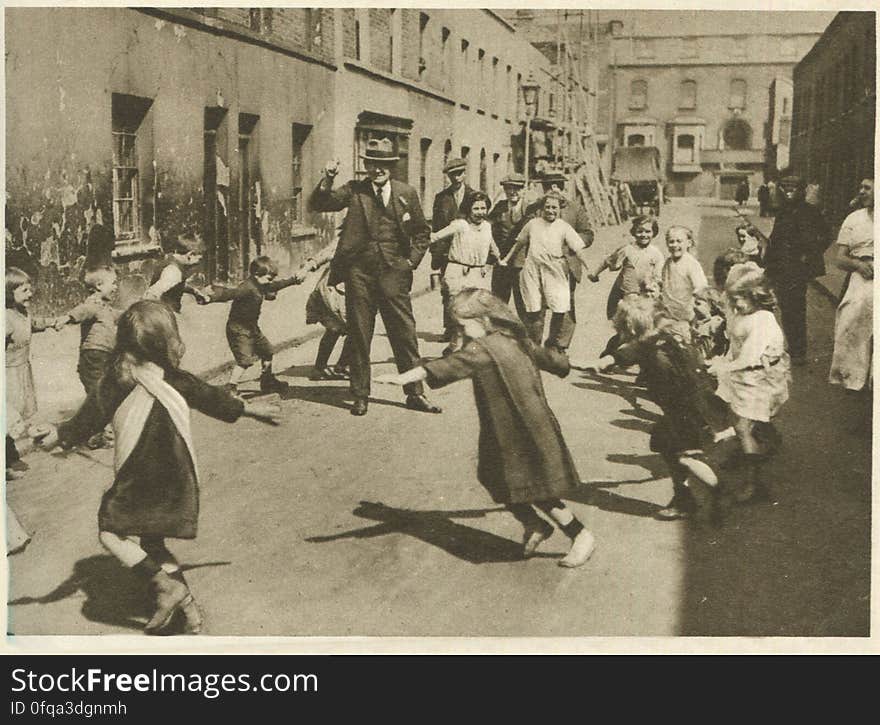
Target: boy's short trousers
248,344
670,438
91,367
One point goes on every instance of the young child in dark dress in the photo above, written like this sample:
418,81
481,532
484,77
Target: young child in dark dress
523,459
155,491
246,341
675,383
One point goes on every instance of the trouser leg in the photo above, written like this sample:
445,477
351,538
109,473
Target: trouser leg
360,308
534,322
792,296
395,306
325,348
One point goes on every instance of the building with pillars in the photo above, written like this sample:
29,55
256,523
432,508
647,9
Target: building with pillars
694,84
128,128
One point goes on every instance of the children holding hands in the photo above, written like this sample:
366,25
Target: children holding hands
523,459
246,341
155,492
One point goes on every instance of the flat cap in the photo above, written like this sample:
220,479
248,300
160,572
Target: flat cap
454,165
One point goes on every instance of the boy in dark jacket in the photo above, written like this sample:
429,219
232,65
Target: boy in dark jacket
247,342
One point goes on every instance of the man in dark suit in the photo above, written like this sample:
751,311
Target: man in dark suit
383,239
793,257
447,206
508,217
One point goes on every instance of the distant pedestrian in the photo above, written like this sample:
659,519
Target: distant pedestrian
155,492
523,459
793,257
469,254
764,199
672,374
508,217
854,323
246,340
753,376
742,192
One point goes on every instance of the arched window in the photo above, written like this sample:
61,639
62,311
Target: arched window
737,135
484,172
687,94
638,94
737,94
635,139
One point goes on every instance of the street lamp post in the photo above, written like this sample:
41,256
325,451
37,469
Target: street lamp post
530,89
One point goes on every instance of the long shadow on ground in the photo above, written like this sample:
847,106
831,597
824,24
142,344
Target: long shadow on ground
436,528
113,594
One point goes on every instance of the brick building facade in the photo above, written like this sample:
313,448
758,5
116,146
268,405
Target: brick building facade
127,128
694,84
835,97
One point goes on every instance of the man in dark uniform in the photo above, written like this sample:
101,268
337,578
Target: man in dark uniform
794,256
383,239
575,214
447,206
508,217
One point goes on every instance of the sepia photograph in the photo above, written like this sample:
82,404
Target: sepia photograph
439,322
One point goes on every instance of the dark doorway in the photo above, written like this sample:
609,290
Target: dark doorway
216,200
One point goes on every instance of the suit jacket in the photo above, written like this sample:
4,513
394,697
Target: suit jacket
795,251
444,211
358,197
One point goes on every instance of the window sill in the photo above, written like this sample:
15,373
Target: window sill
133,248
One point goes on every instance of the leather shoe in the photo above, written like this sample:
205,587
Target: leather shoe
359,407
421,403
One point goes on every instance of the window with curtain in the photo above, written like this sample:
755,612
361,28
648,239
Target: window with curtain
687,94
638,94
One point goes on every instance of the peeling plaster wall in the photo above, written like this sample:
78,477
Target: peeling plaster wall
64,64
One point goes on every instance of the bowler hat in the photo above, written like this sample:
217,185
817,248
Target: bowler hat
795,181
513,180
379,149
454,165
553,177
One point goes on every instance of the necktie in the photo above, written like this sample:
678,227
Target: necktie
380,200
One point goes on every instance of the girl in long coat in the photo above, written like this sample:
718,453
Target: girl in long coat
155,491
523,459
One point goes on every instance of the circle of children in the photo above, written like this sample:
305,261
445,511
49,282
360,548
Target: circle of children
711,357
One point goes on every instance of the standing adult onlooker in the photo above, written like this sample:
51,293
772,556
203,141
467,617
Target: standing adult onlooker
383,239
448,205
853,326
764,199
742,192
793,257
508,217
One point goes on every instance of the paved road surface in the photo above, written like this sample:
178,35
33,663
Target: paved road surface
335,525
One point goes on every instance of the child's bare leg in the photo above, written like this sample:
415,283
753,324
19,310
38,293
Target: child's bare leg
535,529
236,375
755,487
582,541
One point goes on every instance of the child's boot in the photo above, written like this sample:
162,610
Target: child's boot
172,596
270,384
680,507
193,620
534,536
756,490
